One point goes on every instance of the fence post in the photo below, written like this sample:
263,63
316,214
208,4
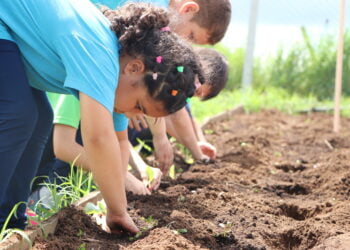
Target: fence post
249,53
339,68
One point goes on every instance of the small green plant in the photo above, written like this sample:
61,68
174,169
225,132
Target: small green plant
99,209
143,144
180,231
151,221
82,246
5,232
78,184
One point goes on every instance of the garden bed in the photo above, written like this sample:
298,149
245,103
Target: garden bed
280,182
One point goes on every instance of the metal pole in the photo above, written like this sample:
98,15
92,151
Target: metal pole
249,55
339,68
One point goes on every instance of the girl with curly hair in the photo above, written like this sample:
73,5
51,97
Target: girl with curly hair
128,64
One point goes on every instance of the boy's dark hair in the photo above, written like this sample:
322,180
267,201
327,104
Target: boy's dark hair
215,16
215,68
138,27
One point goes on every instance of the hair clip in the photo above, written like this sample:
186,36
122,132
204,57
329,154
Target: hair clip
180,69
155,76
165,29
188,99
174,92
159,59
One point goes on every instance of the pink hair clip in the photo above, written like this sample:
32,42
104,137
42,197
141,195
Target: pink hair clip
159,59
165,29
155,76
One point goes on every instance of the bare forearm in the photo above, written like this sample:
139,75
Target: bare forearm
198,131
103,153
184,132
66,148
104,162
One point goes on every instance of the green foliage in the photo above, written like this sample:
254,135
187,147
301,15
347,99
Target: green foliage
5,232
236,61
305,69
78,184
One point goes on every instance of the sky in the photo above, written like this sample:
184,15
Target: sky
279,22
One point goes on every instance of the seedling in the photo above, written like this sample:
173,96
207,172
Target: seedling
143,144
82,247
80,233
208,131
277,154
99,209
180,231
150,174
150,220
5,232
181,198
172,172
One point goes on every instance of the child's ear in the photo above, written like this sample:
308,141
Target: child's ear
134,67
189,7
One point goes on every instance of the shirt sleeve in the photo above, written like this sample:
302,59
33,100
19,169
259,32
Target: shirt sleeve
120,122
66,109
4,32
91,67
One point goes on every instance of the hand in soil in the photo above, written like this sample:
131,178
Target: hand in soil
121,224
207,149
157,177
163,152
134,185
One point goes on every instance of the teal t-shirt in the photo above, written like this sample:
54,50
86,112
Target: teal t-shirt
113,4
67,46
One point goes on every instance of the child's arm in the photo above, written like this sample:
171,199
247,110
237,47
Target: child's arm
140,166
162,147
207,148
66,148
179,125
104,156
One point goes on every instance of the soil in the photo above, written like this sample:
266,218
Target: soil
280,182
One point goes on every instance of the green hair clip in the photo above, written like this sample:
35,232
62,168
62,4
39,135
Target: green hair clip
180,69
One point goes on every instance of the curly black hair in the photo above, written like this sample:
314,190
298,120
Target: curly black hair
138,27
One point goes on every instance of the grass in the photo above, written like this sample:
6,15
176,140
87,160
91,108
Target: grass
307,68
267,98
77,185
5,232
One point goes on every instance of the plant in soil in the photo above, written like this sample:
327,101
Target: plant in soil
5,232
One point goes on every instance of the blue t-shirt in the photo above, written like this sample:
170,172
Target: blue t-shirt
67,46
113,4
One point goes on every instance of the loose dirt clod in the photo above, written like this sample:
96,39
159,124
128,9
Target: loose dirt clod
276,185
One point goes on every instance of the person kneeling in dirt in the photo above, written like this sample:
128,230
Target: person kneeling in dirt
107,65
182,125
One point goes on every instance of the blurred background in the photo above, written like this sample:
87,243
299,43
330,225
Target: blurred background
294,54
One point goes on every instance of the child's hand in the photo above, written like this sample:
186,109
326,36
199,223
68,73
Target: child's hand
120,224
138,122
134,185
157,177
163,152
207,149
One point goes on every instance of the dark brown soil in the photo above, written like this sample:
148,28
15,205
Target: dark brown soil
280,182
